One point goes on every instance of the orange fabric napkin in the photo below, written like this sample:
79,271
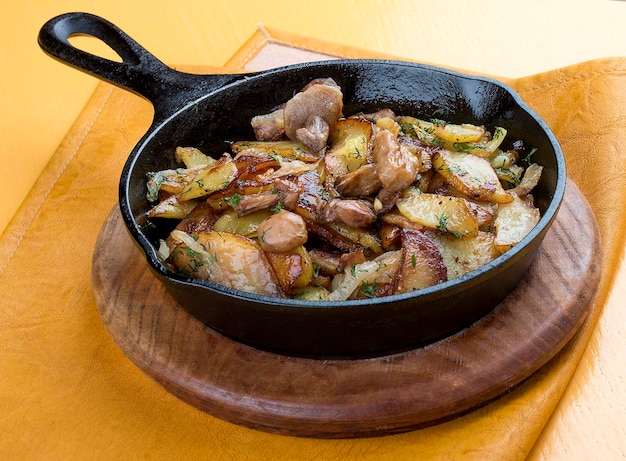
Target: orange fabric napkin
68,392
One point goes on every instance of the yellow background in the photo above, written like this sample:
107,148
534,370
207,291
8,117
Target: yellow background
40,99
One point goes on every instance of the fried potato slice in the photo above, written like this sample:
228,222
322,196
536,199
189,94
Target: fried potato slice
172,207
445,132
367,278
422,264
351,144
473,176
293,269
363,237
213,177
463,255
169,181
513,221
227,259
444,213
246,225
192,157
294,150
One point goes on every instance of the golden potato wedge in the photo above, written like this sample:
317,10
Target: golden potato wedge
192,157
445,132
364,237
169,181
513,221
246,225
364,279
289,149
201,218
351,143
470,175
287,266
389,236
511,175
422,265
172,207
464,133
214,177
463,255
444,213
228,259
293,269
325,262
387,123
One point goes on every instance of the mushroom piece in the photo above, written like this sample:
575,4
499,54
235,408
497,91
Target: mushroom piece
309,115
359,183
397,166
284,192
269,127
354,213
282,232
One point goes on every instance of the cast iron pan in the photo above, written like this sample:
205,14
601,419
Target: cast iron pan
206,111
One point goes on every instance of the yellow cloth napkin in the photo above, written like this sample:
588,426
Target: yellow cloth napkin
68,392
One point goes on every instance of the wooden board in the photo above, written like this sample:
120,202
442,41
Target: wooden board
351,398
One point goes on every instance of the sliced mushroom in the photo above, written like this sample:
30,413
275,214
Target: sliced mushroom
283,191
269,127
397,167
354,213
310,113
359,183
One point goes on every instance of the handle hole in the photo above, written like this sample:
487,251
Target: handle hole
94,46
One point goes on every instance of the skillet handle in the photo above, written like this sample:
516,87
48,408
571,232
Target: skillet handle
140,72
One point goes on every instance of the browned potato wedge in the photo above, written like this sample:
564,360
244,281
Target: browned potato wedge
227,259
513,221
201,218
170,181
395,218
214,177
422,264
387,123
192,157
293,269
446,132
462,255
365,279
363,237
173,208
351,143
325,262
390,236
246,225
472,176
289,149
444,213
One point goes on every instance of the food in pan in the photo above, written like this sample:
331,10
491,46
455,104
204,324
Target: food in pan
322,206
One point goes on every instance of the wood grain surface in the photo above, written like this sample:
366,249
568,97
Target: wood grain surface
351,398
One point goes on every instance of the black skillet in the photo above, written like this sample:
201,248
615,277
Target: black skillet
206,111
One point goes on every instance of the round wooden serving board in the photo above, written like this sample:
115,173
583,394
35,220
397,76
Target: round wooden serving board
351,398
